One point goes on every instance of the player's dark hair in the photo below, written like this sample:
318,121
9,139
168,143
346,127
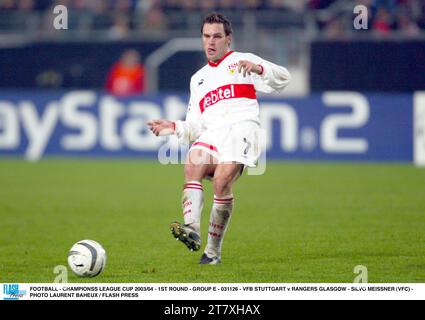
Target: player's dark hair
218,18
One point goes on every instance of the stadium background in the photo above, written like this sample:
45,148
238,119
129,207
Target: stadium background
341,187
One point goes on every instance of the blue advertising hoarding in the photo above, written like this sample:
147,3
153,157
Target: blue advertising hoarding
349,126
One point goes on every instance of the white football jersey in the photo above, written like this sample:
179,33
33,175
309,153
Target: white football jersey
219,95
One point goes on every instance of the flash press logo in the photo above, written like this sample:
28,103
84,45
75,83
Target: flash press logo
12,292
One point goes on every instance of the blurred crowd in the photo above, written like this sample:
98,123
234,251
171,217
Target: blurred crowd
129,5
386,17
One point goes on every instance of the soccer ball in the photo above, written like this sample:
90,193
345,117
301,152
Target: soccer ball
87,258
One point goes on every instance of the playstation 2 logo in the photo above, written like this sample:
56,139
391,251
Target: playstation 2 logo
12,292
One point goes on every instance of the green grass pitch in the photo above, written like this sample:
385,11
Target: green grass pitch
299,222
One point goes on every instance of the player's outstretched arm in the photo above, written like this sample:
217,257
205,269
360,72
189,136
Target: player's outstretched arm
272,77
248,67
162,127
184,130
188,130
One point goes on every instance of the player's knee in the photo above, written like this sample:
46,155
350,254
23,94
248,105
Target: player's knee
222,185
193,172
190,172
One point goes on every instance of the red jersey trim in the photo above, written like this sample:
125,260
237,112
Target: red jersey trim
215,64
229,91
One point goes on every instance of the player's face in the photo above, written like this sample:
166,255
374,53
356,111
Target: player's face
215,42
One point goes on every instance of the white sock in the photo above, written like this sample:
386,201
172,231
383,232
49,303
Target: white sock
192,204
219,220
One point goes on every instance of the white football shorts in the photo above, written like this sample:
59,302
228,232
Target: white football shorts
238,142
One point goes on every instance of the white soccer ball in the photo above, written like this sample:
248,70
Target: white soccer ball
87,258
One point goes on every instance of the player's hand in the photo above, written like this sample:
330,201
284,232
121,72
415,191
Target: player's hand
162,127
249,67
